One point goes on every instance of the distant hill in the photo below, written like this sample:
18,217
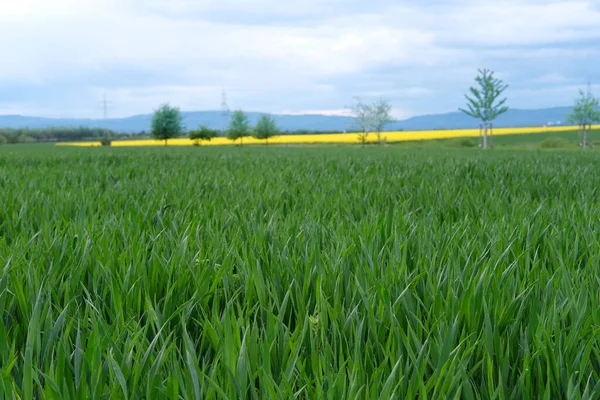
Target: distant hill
512,118
214,119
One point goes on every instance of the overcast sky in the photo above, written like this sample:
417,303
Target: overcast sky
59,57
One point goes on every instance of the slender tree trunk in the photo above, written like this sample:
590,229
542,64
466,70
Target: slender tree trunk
379,137
485,137
165,142
585,136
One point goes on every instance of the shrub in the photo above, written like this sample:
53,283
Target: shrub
106,141
553,143
202,133
463,142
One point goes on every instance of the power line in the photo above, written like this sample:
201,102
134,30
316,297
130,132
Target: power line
106,105
224,110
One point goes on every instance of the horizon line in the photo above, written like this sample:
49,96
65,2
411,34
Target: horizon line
284,113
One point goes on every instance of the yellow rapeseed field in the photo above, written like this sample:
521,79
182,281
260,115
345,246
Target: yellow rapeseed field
349,138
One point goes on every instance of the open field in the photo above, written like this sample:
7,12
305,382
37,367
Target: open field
567,140
323,272
347,138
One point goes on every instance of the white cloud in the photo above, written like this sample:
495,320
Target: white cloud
344,112
282,64
341,112
40,9
185,7
520,22
552,78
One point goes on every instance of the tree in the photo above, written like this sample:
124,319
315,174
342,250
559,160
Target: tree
166,123
363,118
381,110
2,139
239,126
266,128
484,103
585,113
202,133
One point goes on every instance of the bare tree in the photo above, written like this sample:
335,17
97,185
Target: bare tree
363,118
381,116
484,103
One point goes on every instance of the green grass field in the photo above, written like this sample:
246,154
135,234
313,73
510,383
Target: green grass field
542,141
310,273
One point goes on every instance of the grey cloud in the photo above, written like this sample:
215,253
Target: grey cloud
305,55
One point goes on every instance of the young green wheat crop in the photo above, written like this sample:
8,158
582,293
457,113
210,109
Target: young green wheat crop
310,273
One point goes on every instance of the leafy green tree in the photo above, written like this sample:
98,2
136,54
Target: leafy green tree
266,128
167,123
202,133
484,103
2,139
239,126
585,113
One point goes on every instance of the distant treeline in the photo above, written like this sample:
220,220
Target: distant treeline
146,135
55,134
75,134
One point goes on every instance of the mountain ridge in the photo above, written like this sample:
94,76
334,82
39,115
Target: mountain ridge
307,122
